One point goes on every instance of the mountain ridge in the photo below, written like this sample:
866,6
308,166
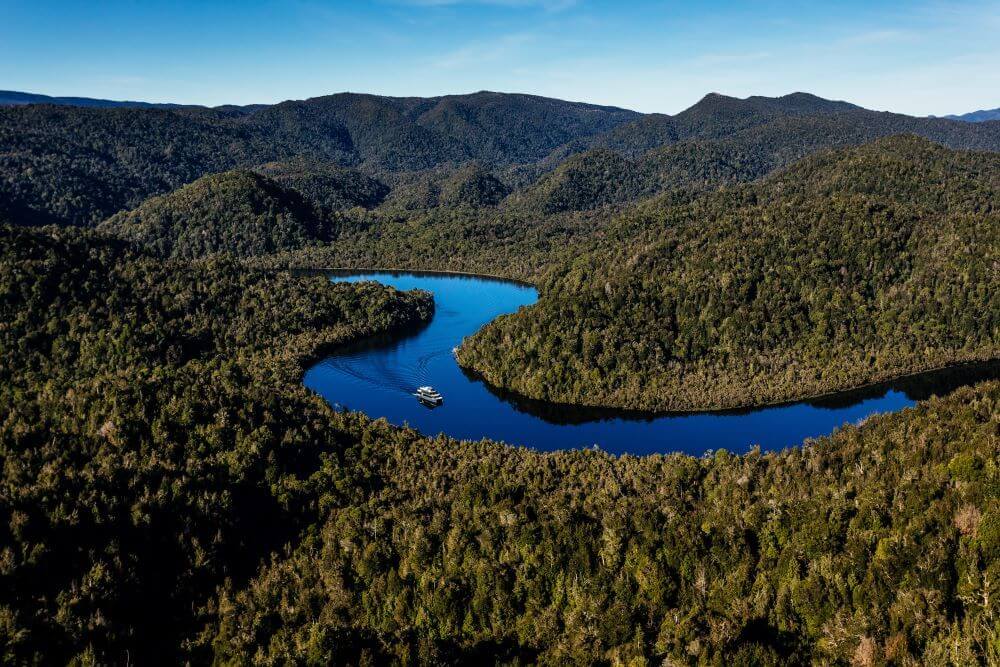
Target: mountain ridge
981,116
79,165
15,98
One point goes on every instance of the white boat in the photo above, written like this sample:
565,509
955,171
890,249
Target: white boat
429,395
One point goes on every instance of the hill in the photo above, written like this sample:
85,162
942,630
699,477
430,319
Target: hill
407,134
981,116
707,156
326,184
463,186
583,181
171,493
71,165
849,267
14,98
237,212
719,141
719,116
78,166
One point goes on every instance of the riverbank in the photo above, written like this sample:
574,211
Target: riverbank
377,377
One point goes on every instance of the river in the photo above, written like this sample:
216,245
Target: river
379,376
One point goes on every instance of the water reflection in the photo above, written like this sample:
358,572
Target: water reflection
378,376
914,388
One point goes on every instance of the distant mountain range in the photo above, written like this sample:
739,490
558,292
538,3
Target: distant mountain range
70,164
804,102
978,116
14,98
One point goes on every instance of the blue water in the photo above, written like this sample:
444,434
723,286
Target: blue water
378,377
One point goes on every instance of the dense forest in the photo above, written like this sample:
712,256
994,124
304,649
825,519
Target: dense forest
155,439
850,267
240,213
80,165
323,183
171,492
69,165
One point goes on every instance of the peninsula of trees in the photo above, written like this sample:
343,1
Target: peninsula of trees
170,492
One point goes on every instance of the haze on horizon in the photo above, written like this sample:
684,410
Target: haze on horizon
922,58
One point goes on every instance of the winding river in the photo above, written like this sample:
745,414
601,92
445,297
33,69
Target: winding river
379,376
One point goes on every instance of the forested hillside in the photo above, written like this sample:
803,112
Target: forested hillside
170,492
159,453
327,185
721,141
468,186
78,166
847,268
154,437
72,165
237,212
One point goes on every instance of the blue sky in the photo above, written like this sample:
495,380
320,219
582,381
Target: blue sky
913,57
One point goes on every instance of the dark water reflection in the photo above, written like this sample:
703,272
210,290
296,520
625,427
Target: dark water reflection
378,376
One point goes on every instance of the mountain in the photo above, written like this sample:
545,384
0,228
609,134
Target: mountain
849,267
978,116
14,98
404,134
77,166
236,212
72,165
719,115
721,141
713,116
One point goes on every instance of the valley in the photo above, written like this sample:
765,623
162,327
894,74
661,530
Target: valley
379,376
778,318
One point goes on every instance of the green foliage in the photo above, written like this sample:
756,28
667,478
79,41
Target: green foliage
237,212
848,268
810,555
72,165
472,186
154,438
170,492
465,187
495,241
331,187
583,181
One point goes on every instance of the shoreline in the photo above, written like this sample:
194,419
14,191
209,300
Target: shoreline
639,413
416,272
886,380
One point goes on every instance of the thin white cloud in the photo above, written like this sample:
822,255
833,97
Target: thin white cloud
123,80
547,5
877,37
478,53
710,59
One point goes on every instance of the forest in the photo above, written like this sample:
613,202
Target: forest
77,165
848,268
170,489
170,492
